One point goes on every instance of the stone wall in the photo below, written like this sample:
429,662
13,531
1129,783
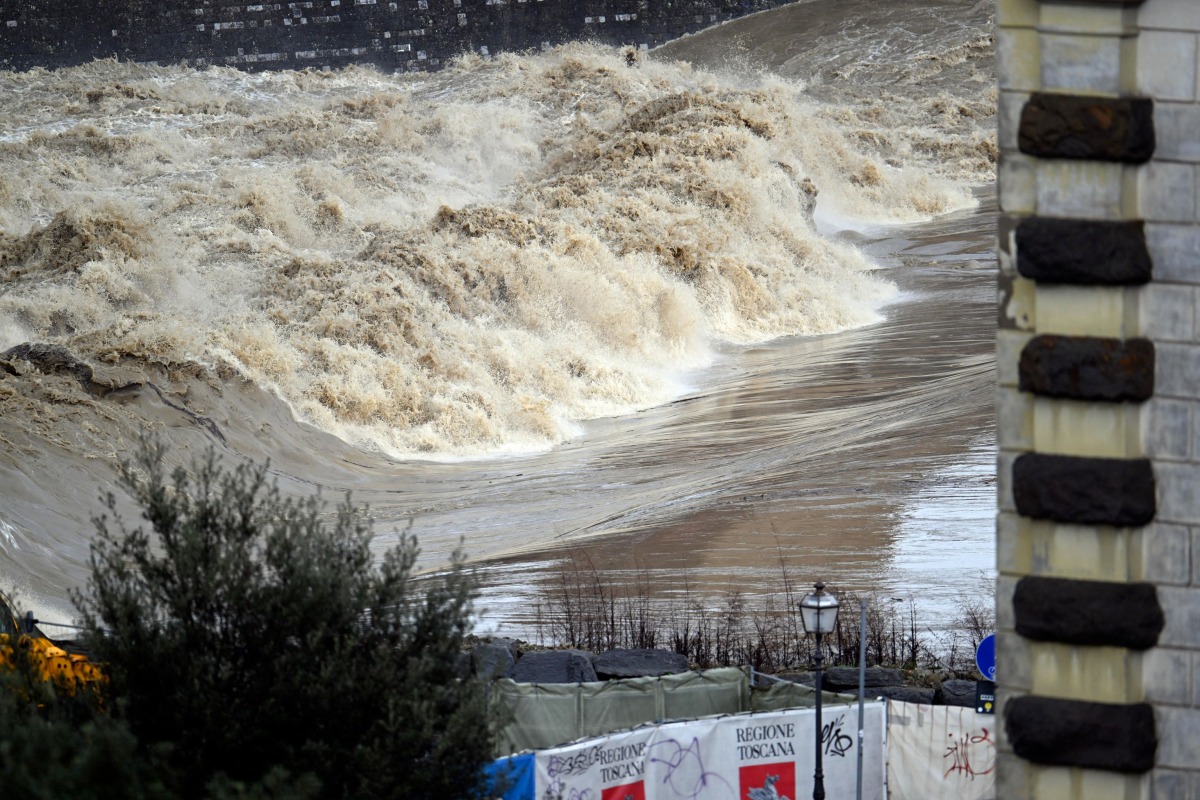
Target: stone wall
1098,354
404,34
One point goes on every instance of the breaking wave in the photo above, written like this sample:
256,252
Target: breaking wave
461,264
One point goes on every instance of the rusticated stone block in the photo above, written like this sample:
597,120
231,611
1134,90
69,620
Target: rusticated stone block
1088,368
1117,129
1093,613
1073,733
1083,252
1084,491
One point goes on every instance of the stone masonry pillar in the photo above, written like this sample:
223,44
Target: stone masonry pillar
1098,358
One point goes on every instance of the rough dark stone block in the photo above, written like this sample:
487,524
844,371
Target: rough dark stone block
555,666
1083,252
1088,368
1072,733
836,679
956,692
1117,129
638,663
1088,612
494,659
1084,491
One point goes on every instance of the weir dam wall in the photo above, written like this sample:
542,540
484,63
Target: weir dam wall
323,34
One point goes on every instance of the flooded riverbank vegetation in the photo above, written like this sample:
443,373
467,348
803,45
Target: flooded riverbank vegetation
584,609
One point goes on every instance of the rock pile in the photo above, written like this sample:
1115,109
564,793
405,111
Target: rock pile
502,658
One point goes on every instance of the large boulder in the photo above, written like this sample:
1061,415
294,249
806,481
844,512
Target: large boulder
638,663
462,666
840,679
763,680
494,659
555,666
956,693
907,694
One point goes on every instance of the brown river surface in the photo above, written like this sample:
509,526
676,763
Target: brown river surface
692,321
865,459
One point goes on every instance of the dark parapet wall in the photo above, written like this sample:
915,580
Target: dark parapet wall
399,35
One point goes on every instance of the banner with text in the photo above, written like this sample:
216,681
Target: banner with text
937,752
765,756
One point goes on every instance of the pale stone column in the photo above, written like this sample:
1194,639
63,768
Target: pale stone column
1098,357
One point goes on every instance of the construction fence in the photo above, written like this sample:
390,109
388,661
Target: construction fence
747,743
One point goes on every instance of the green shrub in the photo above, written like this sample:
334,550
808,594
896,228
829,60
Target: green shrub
258,646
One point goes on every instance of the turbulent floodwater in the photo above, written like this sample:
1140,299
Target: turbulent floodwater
689,314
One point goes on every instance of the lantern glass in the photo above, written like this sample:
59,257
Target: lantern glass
818,611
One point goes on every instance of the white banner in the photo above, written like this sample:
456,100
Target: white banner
769,756
606,767
939,752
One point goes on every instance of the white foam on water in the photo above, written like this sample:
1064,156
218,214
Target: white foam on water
466,264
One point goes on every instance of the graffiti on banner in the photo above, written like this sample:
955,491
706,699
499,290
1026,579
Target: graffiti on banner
608,768
940,753
971,754
739,757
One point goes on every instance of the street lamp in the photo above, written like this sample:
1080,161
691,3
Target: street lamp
819,613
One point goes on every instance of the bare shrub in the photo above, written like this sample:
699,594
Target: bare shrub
585,610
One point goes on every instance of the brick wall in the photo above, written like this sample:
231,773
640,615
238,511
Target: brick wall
404,34
1098,355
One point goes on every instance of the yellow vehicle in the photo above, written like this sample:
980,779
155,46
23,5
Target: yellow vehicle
65,666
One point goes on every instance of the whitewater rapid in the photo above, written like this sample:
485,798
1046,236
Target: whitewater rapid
379,281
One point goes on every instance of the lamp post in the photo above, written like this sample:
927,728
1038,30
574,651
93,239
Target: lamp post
819,613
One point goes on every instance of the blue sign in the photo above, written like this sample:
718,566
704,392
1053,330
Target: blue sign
985,657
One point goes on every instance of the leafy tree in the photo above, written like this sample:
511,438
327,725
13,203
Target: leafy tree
259,646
